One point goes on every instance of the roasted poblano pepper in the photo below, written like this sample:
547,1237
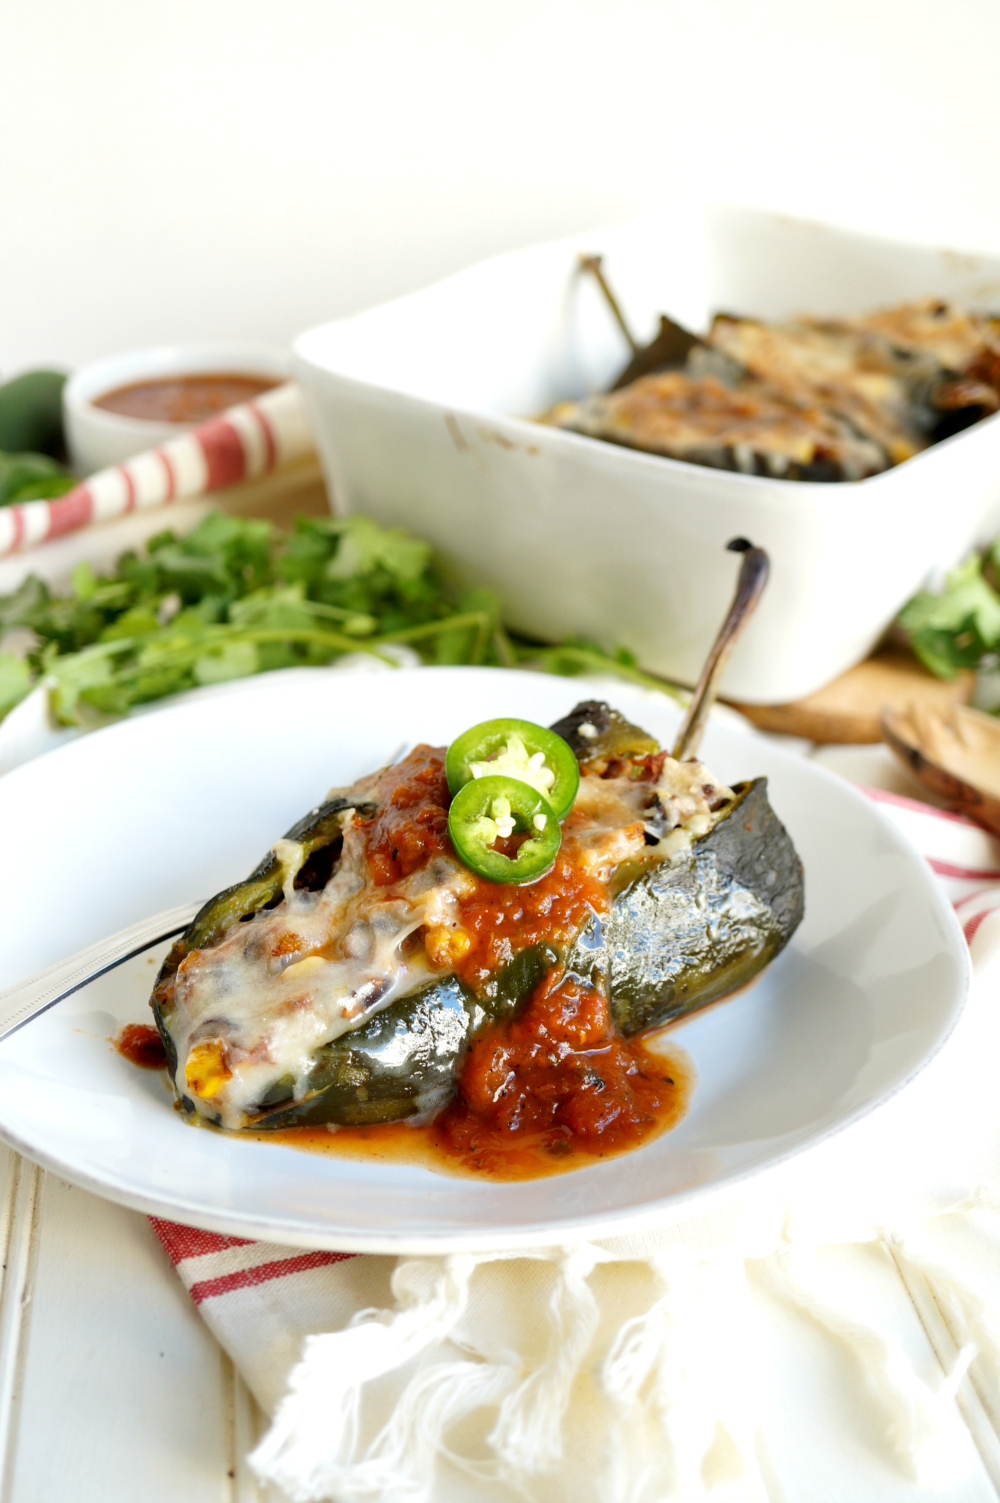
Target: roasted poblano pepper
687,931
695,928
319,832
678,933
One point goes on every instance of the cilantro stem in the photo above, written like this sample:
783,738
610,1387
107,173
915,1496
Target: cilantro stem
587,658
480,619
504,647
333,612
194,650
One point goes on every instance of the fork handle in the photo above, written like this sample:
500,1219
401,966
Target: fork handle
19,1004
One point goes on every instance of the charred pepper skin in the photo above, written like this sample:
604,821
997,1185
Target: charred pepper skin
694,929
402,1063
593,730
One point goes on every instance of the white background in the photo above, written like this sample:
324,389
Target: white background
174,169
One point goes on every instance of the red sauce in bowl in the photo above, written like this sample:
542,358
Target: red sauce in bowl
184,399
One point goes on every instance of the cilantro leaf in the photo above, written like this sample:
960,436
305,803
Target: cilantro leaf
75,673
230,660
15,681
957,628
365,547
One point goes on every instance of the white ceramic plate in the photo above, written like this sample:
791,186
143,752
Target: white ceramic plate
173,805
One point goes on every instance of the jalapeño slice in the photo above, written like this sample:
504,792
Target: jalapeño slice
516,749
489,813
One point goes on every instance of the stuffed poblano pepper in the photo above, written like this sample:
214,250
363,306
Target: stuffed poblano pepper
405,929
815,399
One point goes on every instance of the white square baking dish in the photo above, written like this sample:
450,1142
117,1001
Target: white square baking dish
422,413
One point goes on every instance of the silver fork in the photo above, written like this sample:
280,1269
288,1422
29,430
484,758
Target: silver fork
19,1004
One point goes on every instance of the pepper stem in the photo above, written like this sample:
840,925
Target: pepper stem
593,265
753,577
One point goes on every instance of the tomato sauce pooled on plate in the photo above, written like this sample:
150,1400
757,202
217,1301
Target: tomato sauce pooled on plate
557,1083
529,1104
141,1045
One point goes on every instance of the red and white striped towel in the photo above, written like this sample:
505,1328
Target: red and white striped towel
245,443
965,857
472,1377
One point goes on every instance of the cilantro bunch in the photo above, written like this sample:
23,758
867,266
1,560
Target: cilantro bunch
237,597
959,627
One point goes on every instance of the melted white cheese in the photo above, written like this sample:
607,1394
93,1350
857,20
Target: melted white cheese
300,975
618,812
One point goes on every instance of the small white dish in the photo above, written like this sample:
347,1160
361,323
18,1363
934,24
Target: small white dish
97,438
174,805
421,413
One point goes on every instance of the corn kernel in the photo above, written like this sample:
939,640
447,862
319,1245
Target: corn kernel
446,946
206,1071
301,970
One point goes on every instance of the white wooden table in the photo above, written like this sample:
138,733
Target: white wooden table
112,1389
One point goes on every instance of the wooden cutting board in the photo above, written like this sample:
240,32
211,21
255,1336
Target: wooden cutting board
847,710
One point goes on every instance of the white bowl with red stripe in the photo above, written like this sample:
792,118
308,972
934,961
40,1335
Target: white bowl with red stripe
97,438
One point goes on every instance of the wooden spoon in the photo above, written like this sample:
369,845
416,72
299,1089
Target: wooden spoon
957,755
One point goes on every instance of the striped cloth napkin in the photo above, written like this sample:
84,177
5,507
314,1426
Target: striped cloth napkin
609,1371
245,442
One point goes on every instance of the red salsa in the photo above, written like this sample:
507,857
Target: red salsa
501,918
558,1080
411,825
142,1045
646,1095
184,399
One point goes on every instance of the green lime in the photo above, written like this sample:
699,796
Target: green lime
31,414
